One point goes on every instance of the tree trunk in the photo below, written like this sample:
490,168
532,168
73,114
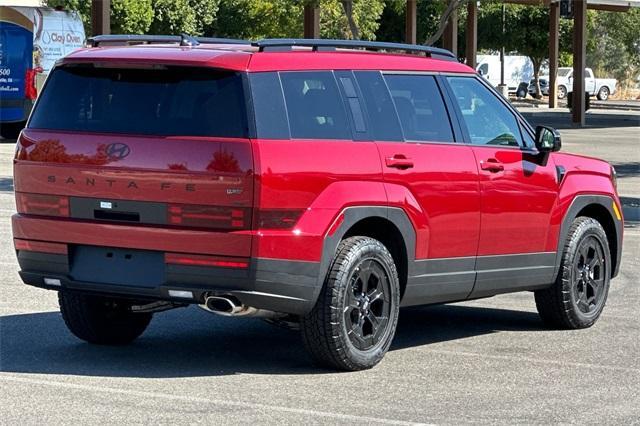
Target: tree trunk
536,76
451,6
347,5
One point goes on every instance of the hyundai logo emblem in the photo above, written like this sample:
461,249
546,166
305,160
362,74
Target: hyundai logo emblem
117,151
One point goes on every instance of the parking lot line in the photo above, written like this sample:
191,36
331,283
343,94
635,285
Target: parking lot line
537,360
208,401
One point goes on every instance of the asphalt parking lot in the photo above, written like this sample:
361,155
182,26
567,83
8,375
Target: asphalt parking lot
486,361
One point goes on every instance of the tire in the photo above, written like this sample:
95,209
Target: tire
603,93
346,302
562,92
101,320
579,294
11,130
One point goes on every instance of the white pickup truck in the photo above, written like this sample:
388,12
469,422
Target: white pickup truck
600,87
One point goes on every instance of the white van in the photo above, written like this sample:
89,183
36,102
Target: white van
516,69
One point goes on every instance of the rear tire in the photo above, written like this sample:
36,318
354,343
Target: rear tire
603,93
579,294
562,92
101,320
354,320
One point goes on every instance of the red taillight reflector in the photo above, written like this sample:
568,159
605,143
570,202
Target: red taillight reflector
30,89
40,246
42,204
278,218
209,216
199,260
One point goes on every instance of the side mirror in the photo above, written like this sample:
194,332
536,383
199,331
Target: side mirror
548,139
480,73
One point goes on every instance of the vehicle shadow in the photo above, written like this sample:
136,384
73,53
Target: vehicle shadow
192,343
6,184
562,120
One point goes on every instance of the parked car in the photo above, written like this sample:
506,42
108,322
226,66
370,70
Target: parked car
282,179
600,87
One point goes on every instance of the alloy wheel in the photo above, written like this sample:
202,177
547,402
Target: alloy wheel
367,304
589,276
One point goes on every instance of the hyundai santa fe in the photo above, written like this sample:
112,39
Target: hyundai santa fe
321,184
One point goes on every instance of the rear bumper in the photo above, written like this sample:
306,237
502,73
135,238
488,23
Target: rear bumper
277,285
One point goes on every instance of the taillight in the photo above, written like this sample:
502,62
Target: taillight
42,204
278,218
200,260
30,89
40,246
235,218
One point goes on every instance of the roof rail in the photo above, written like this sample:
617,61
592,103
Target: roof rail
183,40
279,44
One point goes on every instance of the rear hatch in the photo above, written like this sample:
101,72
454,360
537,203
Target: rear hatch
150,146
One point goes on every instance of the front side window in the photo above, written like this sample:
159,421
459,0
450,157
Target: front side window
488,121
314,106
421,110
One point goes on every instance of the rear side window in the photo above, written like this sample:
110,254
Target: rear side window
314,106
382,114
178,101
423,115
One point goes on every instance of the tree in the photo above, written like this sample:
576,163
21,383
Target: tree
127,16
183,16
525,32
131,16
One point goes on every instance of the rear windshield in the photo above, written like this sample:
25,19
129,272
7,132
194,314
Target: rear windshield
171,101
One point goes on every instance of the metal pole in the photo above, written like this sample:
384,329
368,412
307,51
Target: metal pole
554,37
312,20
411,22
502,48
472,33
100,17
579,60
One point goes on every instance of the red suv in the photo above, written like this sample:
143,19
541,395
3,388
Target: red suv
320,182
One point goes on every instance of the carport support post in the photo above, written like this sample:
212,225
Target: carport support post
100,17
579,61
471,48
450,35
554,37
411,23
312,20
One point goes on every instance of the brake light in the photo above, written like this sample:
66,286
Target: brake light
199,260
235,218
278,218
42,204
30,89
39,246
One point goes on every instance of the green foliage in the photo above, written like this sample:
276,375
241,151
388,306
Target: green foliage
131,16
183,16
254,19
613,46
392,20
366,13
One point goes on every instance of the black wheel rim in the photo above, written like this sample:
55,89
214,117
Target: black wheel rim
589,272
367,304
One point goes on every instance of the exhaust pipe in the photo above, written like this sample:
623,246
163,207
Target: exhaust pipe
230,306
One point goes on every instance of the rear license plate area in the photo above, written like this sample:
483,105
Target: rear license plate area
117,266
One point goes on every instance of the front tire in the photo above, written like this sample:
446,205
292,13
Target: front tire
603,93
101,320
579,294
354,320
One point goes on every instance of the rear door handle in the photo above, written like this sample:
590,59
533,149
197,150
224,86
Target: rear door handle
399,161
492,165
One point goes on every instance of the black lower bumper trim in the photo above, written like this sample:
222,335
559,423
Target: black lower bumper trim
276,285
